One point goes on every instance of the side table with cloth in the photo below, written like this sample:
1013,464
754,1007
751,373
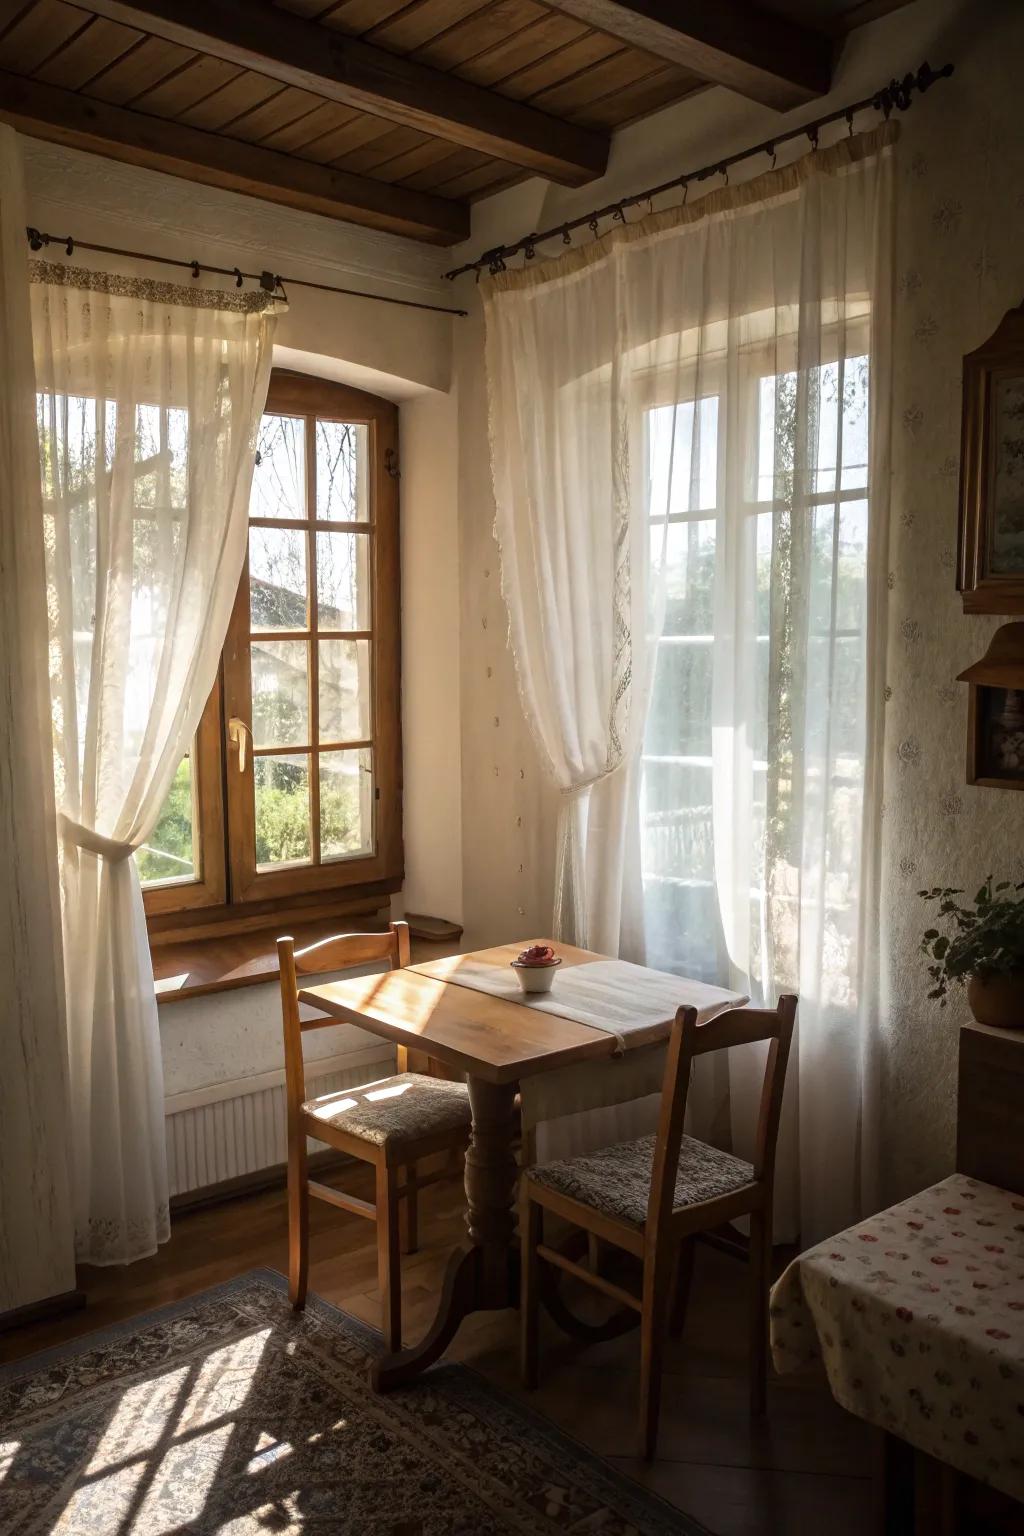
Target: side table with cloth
918,1316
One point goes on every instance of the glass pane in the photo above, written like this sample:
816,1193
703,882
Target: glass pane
279,479
688,550
161,458
341,477
679,718
771,456
682,449
343,580
277,578
344,690
282,811
346,804
167,854
780,404
855,423
280,693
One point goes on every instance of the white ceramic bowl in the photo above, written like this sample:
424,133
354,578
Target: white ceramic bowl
536,978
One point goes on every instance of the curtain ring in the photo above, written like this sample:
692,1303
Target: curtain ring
592,226
723,170
238,277
812,134
195,271
686,190
849,122
70,247
619,215
566,237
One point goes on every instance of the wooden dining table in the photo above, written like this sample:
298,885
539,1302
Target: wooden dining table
497,1043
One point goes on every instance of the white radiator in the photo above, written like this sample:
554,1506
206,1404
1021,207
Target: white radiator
239,1127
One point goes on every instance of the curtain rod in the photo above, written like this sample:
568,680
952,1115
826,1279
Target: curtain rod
897,94
270,282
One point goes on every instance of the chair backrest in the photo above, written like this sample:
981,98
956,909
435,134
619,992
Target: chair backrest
340,953
738,1026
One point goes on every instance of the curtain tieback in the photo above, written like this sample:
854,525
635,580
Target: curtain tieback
570,791
94,842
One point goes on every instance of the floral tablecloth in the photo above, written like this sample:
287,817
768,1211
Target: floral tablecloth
918,1316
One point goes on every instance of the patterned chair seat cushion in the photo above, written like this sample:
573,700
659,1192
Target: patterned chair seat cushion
617,1180
404,1108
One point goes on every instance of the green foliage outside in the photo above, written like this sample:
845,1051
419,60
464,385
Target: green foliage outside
172,835
282,823
282,818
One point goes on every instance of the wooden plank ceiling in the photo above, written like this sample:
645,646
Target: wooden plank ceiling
390,113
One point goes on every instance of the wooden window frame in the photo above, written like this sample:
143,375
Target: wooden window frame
231,893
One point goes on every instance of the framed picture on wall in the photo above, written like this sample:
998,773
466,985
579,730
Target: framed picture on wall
995,712
990,558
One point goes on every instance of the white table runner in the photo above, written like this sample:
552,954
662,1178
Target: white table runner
631,1002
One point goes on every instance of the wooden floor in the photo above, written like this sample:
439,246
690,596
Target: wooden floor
806,1468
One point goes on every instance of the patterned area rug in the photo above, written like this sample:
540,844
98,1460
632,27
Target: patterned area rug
229,1413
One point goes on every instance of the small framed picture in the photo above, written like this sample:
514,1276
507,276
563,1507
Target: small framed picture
990,561
995,712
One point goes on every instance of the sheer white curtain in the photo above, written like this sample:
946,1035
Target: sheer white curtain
36,1249
149,400
690,436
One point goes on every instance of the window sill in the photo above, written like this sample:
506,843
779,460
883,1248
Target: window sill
219,963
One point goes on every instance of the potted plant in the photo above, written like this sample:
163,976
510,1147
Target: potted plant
983,948
535,967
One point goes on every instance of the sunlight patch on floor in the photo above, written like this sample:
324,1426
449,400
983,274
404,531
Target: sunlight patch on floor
268,1450
182,1483
224,1381
141,1417
8,1450
102,1505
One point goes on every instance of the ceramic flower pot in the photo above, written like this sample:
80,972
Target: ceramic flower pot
998,1000
535,968
535,978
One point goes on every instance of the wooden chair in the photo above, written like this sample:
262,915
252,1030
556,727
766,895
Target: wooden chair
391,1124
651,1197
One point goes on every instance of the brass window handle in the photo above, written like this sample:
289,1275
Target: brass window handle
238,730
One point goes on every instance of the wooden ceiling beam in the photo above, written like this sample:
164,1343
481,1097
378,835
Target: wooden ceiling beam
302,53
66,117
770,58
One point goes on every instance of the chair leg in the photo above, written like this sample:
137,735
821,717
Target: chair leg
411,1205
531,1231
298,1221
389,1273
653,1322
683,1280
760,1281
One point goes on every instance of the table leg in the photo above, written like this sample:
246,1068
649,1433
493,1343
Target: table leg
482,1275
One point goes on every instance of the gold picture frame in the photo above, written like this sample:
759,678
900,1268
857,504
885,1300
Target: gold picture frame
990,552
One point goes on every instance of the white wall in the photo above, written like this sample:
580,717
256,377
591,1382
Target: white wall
960,232
431,635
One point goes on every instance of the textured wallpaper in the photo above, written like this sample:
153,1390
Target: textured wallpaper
959,267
